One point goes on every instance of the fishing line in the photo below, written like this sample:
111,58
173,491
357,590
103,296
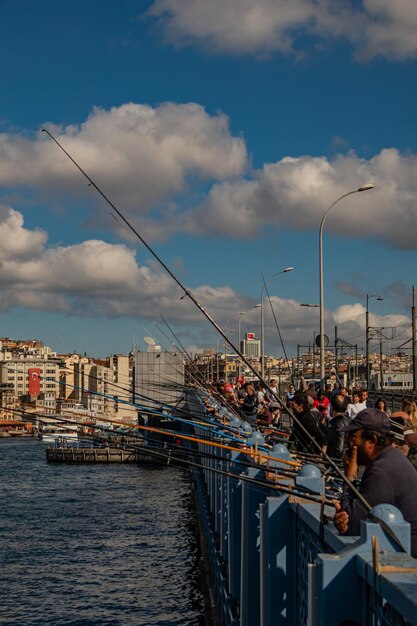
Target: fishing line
188,293
275,320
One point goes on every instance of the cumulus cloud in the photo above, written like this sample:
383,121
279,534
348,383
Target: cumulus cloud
299,325
142,156
391,30
94,278
157,163
101,280
294,193
374,27
15,241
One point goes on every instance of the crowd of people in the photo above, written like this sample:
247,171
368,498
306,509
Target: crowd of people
345,426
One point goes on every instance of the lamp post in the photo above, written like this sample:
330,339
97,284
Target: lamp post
241,314
363,188
284,271
312,306
226,330
368,297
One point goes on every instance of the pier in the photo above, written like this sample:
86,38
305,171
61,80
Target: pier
69,454
91,455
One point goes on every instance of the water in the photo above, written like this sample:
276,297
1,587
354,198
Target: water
95,544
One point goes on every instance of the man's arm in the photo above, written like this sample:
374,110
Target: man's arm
376,488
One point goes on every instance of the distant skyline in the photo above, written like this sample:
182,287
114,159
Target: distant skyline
222,131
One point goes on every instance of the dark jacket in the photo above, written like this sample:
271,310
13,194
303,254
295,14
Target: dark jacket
390,479
250,404
301,441
336,440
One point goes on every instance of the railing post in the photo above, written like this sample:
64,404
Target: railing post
277,563
252,496
234,512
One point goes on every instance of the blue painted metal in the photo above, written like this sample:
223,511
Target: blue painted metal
274,560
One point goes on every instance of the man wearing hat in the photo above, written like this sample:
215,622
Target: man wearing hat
389,477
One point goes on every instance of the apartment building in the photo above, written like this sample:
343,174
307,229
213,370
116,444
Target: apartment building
15,371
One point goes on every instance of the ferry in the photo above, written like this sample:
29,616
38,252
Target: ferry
52,434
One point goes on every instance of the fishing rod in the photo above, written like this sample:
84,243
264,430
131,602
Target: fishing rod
190,361
201,439
142,408
187,293
273,473
275,320
176,338
250,449
297,491
197,377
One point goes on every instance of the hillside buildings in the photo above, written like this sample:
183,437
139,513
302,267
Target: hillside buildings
34,378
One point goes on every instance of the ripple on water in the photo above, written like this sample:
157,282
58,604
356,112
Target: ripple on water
97,545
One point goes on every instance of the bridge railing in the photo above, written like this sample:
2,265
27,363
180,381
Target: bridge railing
276,559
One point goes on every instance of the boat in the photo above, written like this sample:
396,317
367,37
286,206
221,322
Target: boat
54,434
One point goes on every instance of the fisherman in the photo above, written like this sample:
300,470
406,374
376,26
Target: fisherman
335,438
301,441
389,477
249,406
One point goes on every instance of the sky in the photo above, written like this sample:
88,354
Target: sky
221,131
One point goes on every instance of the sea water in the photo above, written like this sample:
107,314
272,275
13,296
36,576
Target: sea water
97,544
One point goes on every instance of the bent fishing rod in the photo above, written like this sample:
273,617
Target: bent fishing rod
188,293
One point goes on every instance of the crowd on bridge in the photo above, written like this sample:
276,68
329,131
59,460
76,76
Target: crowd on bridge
378,449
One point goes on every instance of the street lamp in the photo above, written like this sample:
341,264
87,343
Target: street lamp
226,330
368,297
241,314
312,306
363,188
284,271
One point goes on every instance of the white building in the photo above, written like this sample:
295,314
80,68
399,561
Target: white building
159,376
16,372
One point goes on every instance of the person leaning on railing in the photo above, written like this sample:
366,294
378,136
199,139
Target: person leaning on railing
389,477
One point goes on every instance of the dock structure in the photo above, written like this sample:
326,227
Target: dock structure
97,455
275,559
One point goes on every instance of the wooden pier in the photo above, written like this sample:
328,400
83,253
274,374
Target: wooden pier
97,455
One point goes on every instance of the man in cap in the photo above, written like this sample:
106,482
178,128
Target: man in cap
389,477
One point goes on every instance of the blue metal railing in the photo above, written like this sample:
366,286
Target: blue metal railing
275,559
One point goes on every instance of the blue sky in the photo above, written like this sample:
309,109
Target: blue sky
222,131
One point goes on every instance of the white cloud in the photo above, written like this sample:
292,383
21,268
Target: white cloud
299,324
374,27
94,278
101,280
295,192
141,156
15,241
392,30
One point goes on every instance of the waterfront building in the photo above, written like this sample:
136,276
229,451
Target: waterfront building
159,376
122,367
92,387
17,372
250,346
7,401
